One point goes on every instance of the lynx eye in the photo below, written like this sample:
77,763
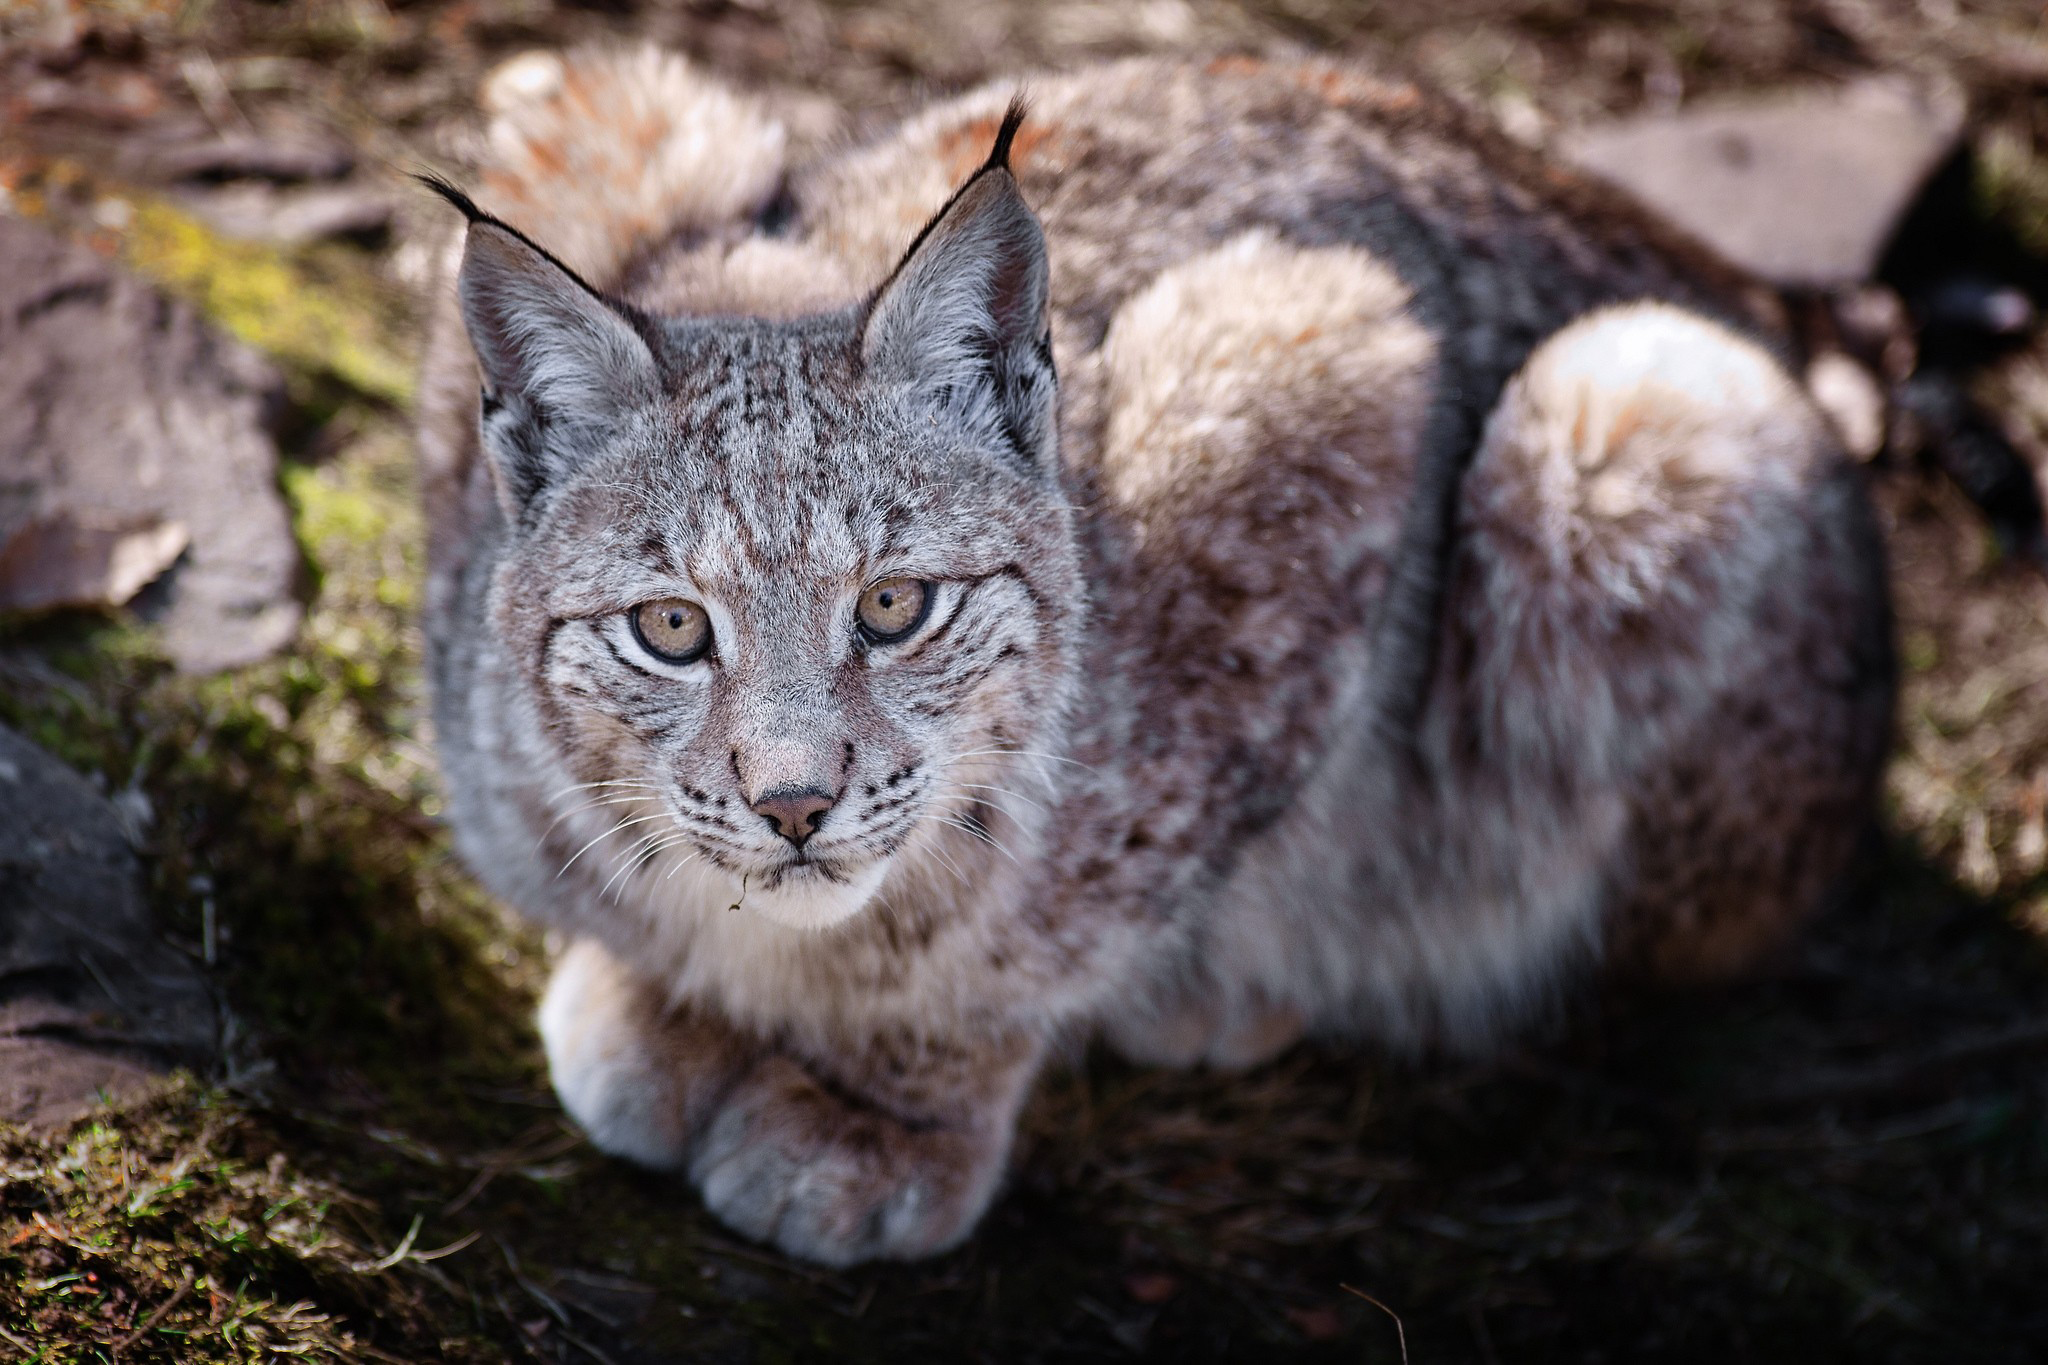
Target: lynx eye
892,608
672,630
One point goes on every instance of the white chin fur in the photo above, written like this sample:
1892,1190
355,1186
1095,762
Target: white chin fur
806,900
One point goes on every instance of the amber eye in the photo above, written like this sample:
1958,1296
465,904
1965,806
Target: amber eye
672,630
892,608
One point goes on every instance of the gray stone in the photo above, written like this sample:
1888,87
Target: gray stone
133,441
60,561
290,216
306,154
1802,188
93,1002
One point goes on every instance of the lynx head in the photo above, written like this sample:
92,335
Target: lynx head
790,600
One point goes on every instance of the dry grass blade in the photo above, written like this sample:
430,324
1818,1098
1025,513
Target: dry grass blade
162,1311
1400,1331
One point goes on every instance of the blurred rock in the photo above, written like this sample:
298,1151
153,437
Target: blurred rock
115,99
290,217
281,157
133,441
61,562
1803,189
93,1003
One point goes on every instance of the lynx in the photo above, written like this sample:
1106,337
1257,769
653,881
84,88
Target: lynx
1236,552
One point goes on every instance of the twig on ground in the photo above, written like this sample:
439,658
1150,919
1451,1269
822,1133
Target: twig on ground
489,1168
163,1310
554,1305
404,1252
1400,1332
1876,1297
399,1253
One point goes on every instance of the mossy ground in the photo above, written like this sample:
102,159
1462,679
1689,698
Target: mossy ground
1847,1160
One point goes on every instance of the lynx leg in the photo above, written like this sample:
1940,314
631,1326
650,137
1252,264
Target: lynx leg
639,1077
1676,594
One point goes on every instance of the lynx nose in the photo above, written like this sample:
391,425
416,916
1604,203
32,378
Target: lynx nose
794,811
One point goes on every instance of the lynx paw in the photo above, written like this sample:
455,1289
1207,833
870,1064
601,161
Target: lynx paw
834,1181
896,1157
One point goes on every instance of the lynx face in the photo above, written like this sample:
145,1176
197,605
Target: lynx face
793,597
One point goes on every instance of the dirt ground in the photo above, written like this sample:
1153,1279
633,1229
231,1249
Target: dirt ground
1845,1160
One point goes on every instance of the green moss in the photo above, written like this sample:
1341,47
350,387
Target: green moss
315,311
2012,187
324,510
173,1231
289,800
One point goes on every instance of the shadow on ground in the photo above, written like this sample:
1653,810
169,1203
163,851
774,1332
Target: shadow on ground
1846,1161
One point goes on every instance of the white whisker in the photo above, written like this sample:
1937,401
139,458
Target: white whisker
592,786
1001,791
933,848
650,846
980,834
1022,753
624,824
591,805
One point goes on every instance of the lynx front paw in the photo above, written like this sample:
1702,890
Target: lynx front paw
839,1180
895,1156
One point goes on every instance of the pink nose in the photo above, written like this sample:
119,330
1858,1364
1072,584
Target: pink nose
794,811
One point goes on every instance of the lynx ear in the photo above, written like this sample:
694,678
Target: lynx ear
964,323
561,364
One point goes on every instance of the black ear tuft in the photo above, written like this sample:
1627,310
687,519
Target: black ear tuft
1006,133
444,187
477,217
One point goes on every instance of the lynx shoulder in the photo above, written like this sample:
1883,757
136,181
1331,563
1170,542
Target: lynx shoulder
1238,551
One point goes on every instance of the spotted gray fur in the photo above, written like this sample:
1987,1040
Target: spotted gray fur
1378,579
